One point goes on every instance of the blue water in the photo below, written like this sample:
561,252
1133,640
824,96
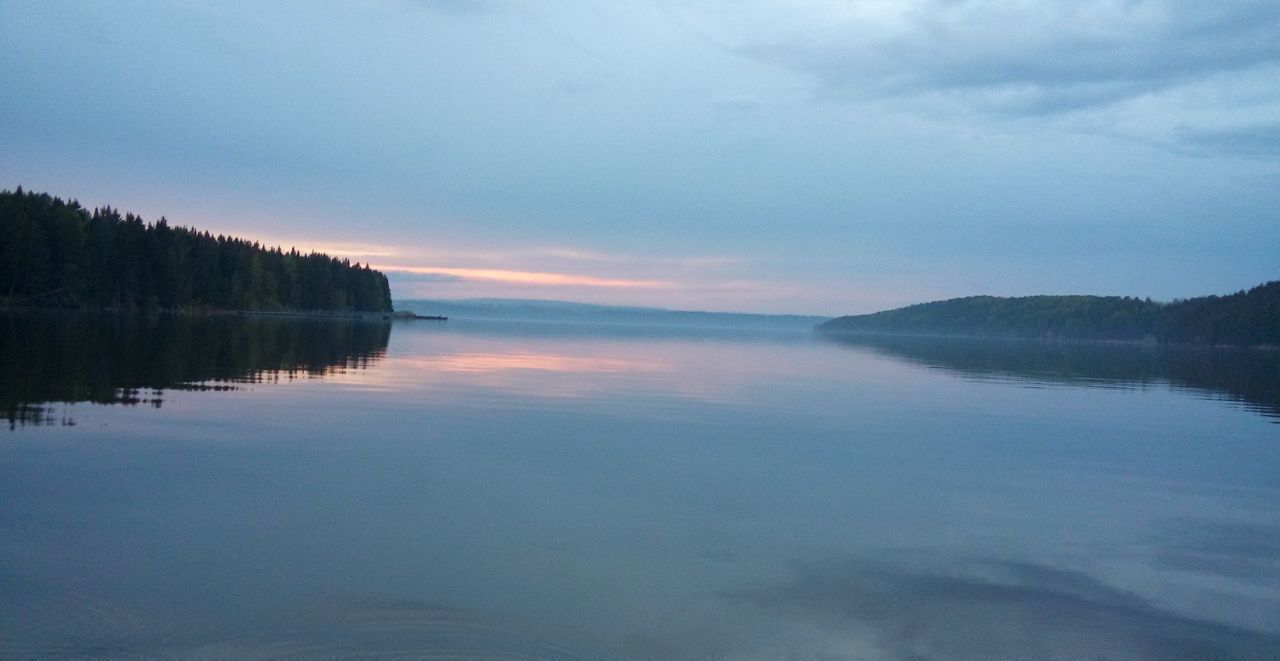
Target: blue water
555,490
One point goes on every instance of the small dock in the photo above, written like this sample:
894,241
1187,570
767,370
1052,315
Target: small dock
409,315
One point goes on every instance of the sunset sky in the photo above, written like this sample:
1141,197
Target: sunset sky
754,155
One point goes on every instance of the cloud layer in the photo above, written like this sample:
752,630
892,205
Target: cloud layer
1026,57
826,158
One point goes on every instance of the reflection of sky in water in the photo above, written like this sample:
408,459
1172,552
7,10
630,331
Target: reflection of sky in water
691,496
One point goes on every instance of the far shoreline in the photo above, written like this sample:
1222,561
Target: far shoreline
1148,343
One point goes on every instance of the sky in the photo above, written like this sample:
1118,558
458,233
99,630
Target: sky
742,155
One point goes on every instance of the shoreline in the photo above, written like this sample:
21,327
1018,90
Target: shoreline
361,315
1149,343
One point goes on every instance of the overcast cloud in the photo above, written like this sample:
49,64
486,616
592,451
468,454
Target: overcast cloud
1035,57
824,157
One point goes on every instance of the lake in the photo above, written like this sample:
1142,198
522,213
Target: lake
243,487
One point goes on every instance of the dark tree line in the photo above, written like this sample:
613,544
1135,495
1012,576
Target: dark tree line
55,253
1245,318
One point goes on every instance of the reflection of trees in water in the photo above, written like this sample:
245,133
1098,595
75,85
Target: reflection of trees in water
131,359
1248,376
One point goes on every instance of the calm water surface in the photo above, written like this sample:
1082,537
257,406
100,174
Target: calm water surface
241,488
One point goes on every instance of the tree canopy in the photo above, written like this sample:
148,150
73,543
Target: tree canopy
56,253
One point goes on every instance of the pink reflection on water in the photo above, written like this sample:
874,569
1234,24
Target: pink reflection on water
451,365
486,363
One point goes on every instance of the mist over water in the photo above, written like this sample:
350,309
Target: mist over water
567,490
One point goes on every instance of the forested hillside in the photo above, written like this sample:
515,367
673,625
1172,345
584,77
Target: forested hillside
1246,318
55,253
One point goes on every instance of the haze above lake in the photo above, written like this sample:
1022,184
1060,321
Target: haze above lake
248,487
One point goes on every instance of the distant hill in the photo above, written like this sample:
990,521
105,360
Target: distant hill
1245,318
55,253
539,310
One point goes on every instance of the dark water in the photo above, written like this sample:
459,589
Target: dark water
268,488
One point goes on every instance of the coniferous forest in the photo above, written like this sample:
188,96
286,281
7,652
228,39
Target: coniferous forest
58,254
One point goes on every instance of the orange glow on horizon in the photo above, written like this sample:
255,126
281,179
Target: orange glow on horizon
528,277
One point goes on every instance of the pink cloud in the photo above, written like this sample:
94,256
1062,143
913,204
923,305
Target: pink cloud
529,277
